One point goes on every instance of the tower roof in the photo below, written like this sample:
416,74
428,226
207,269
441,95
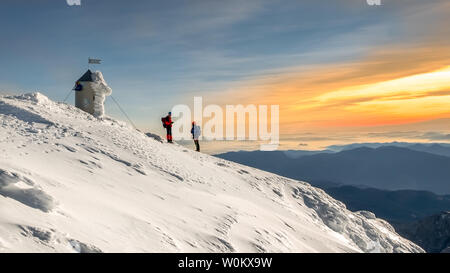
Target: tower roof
87,77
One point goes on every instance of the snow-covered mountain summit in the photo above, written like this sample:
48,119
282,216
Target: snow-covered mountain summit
70,182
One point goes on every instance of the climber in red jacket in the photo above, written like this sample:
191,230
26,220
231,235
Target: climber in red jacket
167,123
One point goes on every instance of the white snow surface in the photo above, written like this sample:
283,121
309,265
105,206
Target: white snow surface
71,182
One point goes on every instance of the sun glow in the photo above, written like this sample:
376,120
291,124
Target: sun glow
395,101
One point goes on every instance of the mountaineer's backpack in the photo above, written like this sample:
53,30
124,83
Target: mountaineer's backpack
164,122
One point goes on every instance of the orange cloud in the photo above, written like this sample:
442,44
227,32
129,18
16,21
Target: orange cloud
389,87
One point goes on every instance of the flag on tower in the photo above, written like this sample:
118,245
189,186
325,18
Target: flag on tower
94,61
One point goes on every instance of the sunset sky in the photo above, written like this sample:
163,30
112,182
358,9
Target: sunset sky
342,71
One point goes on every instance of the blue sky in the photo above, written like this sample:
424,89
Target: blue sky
160,53
154,52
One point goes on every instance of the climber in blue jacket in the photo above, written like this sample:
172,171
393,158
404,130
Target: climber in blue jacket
196,132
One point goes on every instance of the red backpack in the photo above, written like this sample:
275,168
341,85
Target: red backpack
164,119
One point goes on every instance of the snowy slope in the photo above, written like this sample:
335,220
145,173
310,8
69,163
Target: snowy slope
70,182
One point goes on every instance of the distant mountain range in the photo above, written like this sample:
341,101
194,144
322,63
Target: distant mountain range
384,167
433,148
394,206
407,211
431,233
